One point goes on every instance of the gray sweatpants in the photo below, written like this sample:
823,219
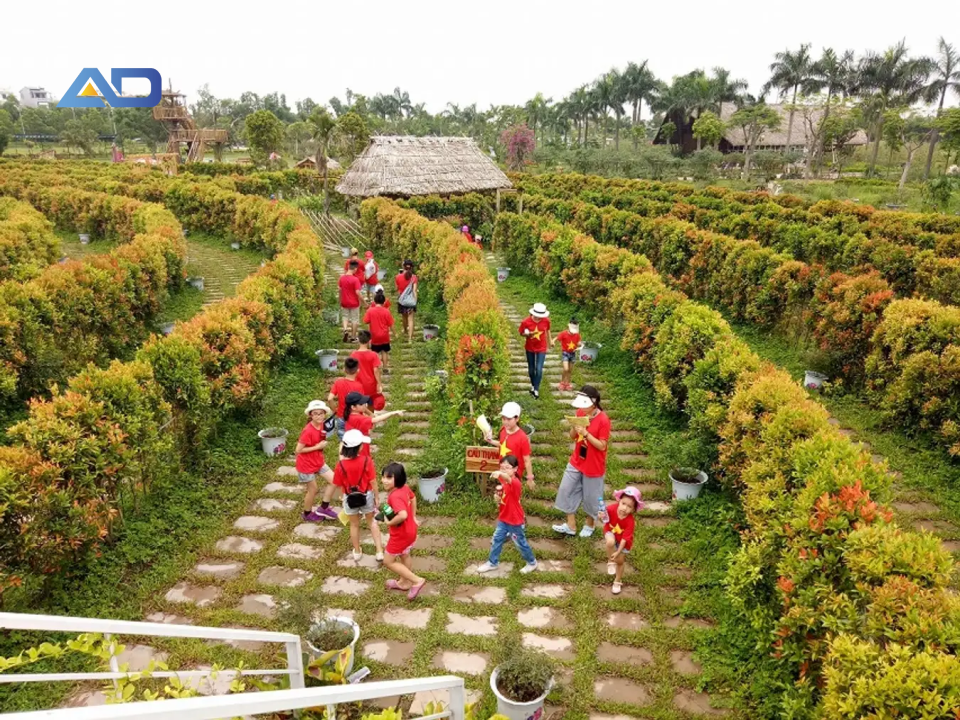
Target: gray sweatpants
577,489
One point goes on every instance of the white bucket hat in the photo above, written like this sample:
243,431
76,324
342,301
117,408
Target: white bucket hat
317,405
354,438
582,402
539,310
510,410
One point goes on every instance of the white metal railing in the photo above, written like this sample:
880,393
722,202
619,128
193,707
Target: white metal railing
225,706
111,628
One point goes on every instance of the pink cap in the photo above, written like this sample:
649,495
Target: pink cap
632,492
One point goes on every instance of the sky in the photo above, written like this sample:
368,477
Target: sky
494,52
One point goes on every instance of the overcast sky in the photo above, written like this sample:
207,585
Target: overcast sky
499,51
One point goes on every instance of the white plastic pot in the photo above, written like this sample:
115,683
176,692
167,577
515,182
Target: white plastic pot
196,282
532,710
329,657
814,380
273,445
345,251
432,488
328,359
381,275
502,273
590,352
167,328
431,332
234,246
84,238
685,490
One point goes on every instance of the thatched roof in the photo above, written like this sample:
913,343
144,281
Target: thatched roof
778,138
395,165
309,163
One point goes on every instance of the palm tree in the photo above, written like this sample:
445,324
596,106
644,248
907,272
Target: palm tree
639,84
789,71
725,89
833,74
893,79
323,129
946,77
401,101
536,111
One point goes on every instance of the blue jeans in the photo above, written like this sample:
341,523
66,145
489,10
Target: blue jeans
518,534
535,368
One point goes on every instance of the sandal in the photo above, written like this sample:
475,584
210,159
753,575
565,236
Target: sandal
393,585
617,587
611,568
415,590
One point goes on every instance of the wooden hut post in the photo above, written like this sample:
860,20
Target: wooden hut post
498,201
520,210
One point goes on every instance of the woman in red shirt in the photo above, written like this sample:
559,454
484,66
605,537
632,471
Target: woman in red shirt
403,531
355,474
536,329
618,525
407,299
510,519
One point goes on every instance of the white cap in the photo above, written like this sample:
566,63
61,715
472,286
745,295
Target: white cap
573,328
354,438
582,402
510,410
377,288
317,405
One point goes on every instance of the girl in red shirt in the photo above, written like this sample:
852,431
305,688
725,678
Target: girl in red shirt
409,305
536,329
355,474
403,531
618,525
311,465
510,519
569,341
358,415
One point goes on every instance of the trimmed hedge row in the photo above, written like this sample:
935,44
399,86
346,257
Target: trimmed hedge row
27,241
477,330
110,434
839,592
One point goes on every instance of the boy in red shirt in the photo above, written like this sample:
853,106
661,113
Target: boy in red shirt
403,531
310,463
358,415
618,524
514,441
349,286
536,329
343,387
510,519
569,341
380,321
369,375
356,474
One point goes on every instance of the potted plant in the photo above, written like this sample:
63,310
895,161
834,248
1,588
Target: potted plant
690,454
273,440
432,483
813,380
521,684
332,644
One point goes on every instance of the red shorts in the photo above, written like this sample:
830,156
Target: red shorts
399,546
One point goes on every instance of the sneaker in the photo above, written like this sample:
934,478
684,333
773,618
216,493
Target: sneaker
346,336
536,394
529,568
532,392
611,568
379,557
586,531
357,555
313,516
327,512
564,529
486,567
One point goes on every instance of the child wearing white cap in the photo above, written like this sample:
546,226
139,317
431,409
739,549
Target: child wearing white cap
356,474
310,462
536,330
513,440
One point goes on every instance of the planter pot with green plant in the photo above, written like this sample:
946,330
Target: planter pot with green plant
521,684
331,645
273,440
689,453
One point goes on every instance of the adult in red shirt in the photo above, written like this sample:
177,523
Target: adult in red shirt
403,531
369,375
569,341
349,286
343,387
355,473
407,296
354,255
514,441
380,321
618,525
582,483
536,329
510,518
310,463
359,415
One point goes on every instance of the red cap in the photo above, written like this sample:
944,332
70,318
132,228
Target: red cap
368,254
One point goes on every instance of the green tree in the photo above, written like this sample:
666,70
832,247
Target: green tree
639,84
297,132
353,136
788,73
909,133
264,135
537,108
6,129
838,130
948,124
725,89
946,78
322,128
754,121
79,134
708,128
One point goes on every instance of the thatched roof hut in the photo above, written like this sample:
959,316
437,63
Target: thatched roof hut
310,163
403,165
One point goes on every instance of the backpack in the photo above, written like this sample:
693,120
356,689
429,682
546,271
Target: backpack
408,298
355,498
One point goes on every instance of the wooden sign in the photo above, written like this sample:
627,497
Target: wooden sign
482,459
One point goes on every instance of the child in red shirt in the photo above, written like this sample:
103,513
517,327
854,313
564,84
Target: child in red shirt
569,341
618,525
343,387
403,531
355,474
536,330
510,519
370,373
358,415
513,440
380,321
310,463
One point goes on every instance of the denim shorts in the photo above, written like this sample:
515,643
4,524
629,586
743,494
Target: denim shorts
370,507
310,477
569,356
341,428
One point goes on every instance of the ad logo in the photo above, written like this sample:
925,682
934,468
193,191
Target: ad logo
91,90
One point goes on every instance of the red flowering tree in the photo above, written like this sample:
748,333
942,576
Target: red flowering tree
519,142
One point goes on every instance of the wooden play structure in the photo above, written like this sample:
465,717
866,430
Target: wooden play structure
172,112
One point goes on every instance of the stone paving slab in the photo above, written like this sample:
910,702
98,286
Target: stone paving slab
391,652
256,523
545,592
627,592
680,622
276,487
683,662
480,594
482,626
696,703
367,562
299,551
621,690
273,505
462,663
137,658
503,570
563,566
315,531
416,619
188,593
284,576
168,618
543,617
618,654
258,604
627,621
336,585
221,570
239,544
433,542
427,563
558,647
287,471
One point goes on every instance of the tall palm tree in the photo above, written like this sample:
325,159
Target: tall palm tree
946,77
788,72
639,84
888,80
579,103
725,89
323,128
537,108
832,74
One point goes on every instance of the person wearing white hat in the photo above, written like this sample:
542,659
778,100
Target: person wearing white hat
357,476
536,330
513,440
310,462
582,482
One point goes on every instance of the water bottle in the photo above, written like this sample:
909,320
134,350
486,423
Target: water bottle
602,512
386,513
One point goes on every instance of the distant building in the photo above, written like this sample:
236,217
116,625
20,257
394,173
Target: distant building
36,97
